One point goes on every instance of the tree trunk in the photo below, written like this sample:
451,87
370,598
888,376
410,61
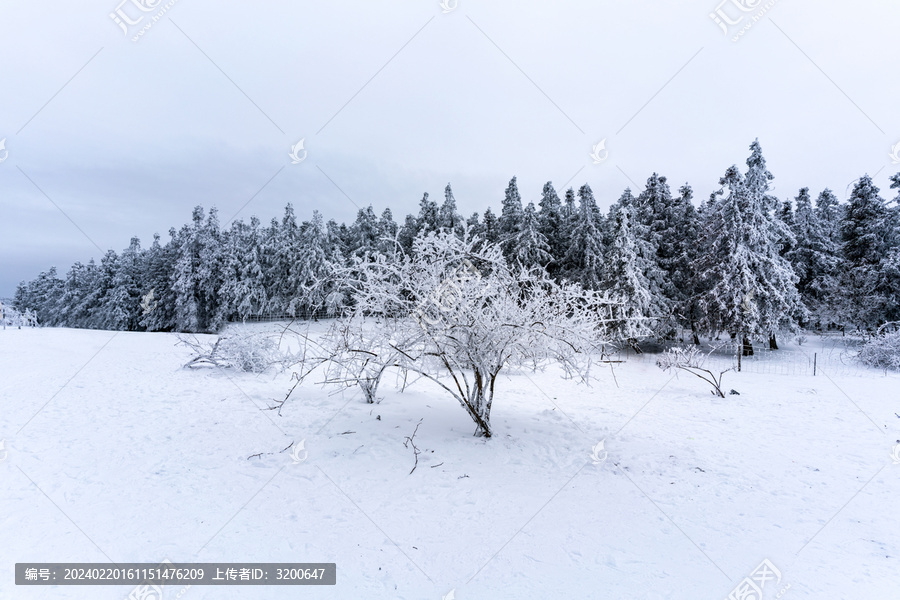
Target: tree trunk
773,343
694,327
479,407
747,349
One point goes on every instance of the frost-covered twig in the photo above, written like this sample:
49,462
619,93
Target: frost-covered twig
409,441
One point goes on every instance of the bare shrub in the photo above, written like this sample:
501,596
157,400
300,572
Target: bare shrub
242,351
692,360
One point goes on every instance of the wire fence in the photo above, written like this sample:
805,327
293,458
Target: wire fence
826,355
306,315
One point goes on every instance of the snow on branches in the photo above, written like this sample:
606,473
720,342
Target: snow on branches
249,352
456,313
883,350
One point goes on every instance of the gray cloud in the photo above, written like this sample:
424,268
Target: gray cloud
205,107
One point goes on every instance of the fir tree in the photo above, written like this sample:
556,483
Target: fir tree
531,248
584,258
552,227
491,227
429,219
813,258
511,219
448,218
624,277
386,242
748,288
408,234
865,235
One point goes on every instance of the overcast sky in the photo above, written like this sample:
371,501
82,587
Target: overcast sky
108,137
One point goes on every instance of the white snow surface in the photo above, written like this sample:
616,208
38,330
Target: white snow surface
114,452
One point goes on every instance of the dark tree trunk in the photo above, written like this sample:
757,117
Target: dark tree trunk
747,349
773,343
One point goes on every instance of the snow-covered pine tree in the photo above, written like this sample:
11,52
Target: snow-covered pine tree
865,232
209,273
363,233
314,268
830,214
552,227
122,303
102,318
813,257
891,263
654,217
531,248
243,292
184,278
387,234
448,217
748,288
159,266
584,258
282,251
623,276
678,251
73,293
491,227
408,233
196,274
474,228
429,216
781,308
784,212
511,219
41,296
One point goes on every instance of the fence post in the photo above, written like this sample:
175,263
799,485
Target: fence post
814,363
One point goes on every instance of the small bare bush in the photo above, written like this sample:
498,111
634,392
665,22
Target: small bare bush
692,360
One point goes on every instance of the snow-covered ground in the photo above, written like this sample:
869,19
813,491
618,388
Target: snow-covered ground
113,452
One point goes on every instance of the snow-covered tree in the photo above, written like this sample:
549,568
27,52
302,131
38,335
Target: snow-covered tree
511,219
458,316
159,266
408,233
584,259
677,252
243,290
314,269
748,288
866,232
551,225
363,233
122,303
531,248
196,277
624,278
654,217
814,259
491,224
448,217
429,216
387,233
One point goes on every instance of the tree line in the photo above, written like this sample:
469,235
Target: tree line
742,262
